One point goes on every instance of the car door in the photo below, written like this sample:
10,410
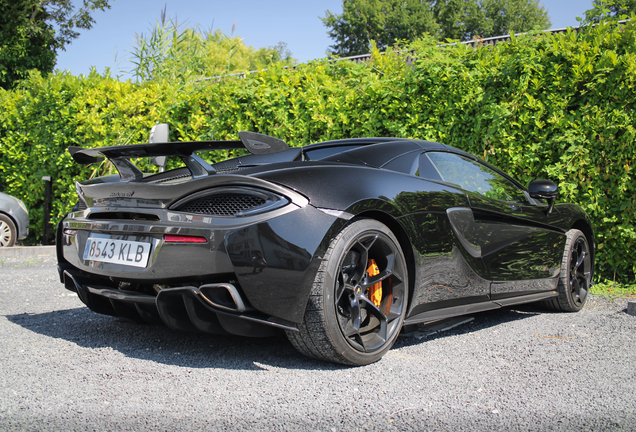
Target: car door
445,276
506,228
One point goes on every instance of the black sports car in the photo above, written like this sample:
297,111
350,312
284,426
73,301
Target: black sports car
339,244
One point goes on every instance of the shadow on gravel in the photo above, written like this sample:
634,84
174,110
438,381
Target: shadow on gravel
482,321
199,350
165,346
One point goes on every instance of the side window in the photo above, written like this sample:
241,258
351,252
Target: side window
474,177
427,170
406,164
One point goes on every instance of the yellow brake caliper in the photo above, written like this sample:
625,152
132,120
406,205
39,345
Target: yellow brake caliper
375,291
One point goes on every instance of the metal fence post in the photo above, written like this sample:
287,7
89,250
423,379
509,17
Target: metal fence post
47,209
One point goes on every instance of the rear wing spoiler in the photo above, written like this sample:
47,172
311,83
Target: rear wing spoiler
119,155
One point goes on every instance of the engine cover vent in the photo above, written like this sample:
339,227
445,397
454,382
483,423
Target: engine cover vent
173,178
229,169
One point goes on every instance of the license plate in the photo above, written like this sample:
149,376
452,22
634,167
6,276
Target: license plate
124,252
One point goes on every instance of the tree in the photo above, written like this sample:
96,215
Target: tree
32,31
381,20
609,9
513,16
467,19
388,20
461,19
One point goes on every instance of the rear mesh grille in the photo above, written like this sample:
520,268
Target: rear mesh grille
223,204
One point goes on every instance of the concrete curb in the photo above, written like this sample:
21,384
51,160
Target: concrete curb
27,251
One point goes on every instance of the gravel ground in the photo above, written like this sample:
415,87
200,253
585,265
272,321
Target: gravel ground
63,367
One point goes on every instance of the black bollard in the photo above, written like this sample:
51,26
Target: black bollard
47,209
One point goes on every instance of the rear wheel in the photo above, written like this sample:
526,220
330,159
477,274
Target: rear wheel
8,232
358,299
576,274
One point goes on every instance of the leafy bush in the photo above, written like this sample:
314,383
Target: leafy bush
541,106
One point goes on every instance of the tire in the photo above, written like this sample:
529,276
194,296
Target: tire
341,323
8,232
576,274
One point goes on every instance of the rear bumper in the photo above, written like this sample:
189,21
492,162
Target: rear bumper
213,308
271,264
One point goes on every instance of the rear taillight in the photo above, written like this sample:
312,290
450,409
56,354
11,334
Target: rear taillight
170,238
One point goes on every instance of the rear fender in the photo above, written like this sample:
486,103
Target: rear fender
276,261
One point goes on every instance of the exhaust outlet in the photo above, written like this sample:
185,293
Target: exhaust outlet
223,296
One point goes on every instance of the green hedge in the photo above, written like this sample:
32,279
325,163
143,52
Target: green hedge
542,106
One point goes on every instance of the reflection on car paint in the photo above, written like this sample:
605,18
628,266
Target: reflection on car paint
472,238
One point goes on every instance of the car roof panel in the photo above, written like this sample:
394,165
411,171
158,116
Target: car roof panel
379,154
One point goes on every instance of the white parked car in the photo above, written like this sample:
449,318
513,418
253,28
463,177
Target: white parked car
14,220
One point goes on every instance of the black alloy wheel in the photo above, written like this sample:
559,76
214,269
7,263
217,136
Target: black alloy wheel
579,271
576,274
366,325
359,297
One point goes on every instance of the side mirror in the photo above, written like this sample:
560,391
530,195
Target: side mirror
544,189
159,134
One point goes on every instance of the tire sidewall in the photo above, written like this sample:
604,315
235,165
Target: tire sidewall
349,235
566,279
12,229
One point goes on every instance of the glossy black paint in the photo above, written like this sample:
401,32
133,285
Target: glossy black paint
543,189
465,251
289,251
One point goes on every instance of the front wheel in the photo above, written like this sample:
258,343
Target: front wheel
358,299
576,274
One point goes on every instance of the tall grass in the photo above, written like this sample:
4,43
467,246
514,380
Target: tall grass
179,52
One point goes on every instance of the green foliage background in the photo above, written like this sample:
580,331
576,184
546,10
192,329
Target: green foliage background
33,31
387,20
542,106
